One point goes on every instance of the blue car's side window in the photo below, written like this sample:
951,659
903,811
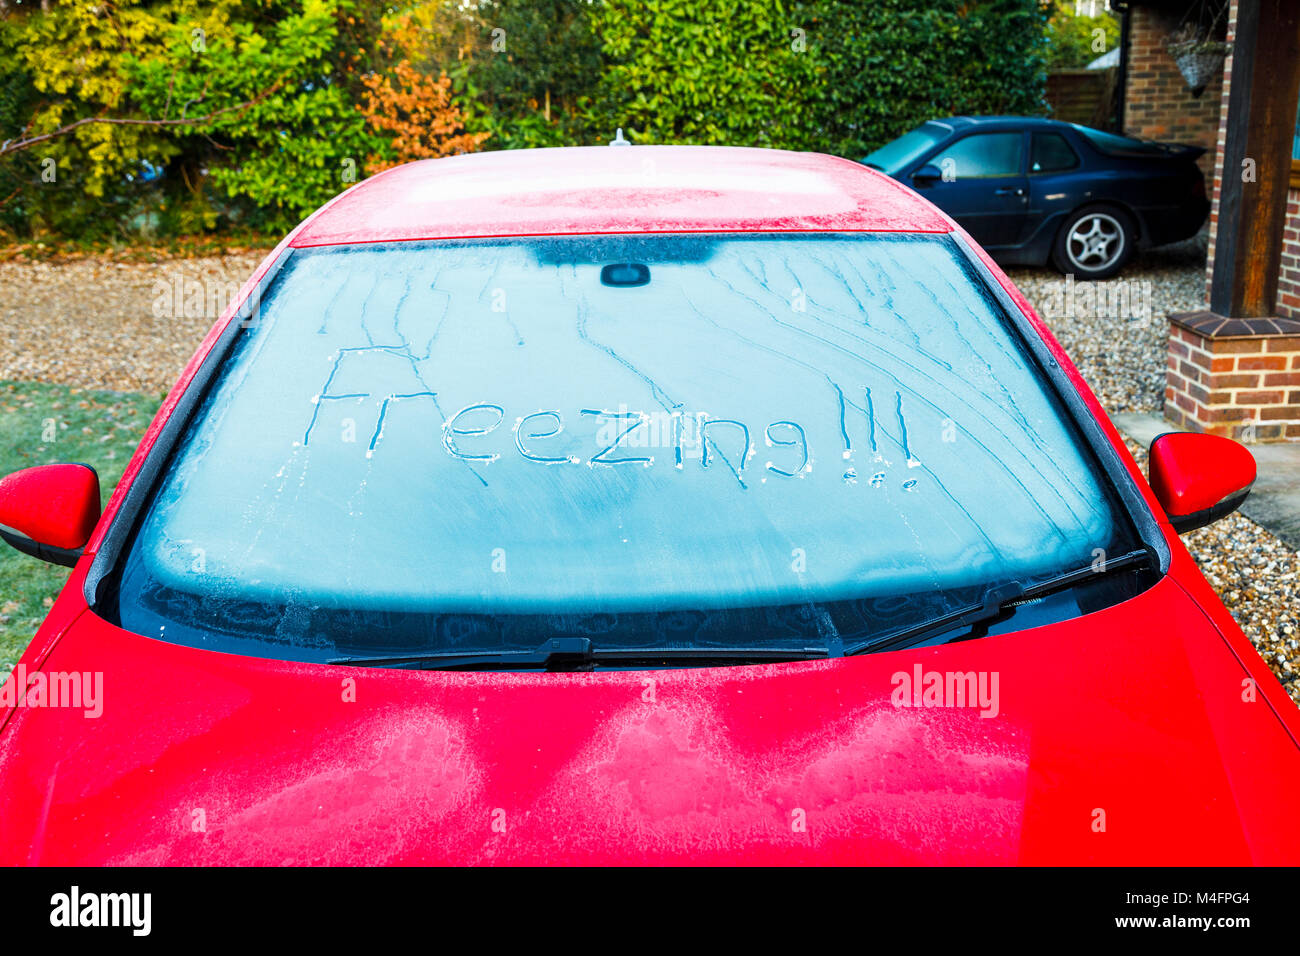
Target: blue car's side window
983,156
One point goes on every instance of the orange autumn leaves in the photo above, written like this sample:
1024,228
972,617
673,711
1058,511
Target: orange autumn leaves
417,110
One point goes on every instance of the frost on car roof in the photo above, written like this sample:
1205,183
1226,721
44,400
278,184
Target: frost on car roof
488,427
627,190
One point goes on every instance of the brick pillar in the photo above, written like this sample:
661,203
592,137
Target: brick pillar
1234,377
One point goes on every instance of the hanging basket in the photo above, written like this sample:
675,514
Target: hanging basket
1199,61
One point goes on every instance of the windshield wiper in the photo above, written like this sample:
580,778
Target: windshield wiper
577,653
995,603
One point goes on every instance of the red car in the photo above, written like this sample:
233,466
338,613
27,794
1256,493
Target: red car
637,505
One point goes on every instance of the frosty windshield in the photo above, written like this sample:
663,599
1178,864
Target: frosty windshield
416,442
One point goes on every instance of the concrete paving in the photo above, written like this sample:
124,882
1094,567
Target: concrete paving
1274,502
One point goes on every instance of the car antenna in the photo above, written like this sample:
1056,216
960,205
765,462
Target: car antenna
618,139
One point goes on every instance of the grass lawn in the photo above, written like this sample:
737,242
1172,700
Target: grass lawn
41,424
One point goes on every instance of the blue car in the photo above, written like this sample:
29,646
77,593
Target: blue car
1033,191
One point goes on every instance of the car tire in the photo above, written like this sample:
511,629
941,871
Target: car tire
1094,242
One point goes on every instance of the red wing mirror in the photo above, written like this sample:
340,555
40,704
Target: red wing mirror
1199,478
49,511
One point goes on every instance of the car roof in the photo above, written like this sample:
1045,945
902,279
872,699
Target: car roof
620,189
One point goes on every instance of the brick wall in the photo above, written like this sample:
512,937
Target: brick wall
1157,103
1288,280
1240,386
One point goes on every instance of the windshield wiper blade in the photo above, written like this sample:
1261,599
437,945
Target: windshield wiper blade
577,653
995,603
556,652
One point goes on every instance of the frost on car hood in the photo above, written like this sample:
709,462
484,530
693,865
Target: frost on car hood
606,424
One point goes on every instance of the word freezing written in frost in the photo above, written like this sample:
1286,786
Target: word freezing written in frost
621,432
725,440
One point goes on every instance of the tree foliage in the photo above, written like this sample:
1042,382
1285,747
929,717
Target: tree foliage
1074,41
727,72
885,67
418,116
200,116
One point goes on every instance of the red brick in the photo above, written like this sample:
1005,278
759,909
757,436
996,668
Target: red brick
1283,412
1266,362
1267,432
1248,346
1230,414
1235,381
1261,398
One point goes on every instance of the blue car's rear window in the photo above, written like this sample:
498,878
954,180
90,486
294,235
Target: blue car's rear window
420,446
1114,145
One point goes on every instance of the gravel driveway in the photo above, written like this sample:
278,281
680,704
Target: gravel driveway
91,322
98,323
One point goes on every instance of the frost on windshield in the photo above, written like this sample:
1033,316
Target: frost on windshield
509,427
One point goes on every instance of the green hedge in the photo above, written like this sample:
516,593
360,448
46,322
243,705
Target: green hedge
838,76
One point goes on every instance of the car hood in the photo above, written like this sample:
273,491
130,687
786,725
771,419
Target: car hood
1119,737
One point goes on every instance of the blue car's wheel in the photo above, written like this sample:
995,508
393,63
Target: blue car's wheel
1094,243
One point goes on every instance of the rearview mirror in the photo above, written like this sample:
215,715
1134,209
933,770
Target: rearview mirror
49,511
1199,478
927,174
